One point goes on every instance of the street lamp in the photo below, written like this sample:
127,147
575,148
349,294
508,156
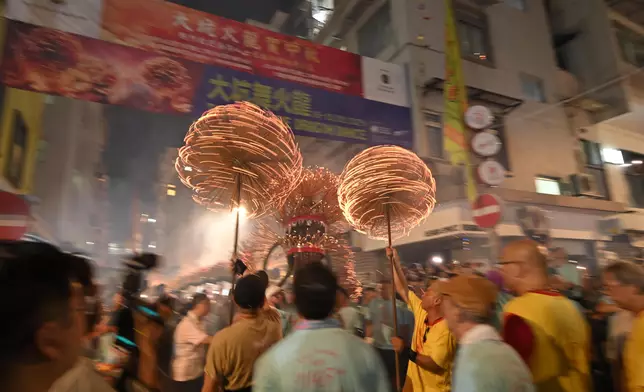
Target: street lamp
437,259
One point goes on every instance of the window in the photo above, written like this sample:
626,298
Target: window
17,150
634,173
547,185
612,155
434,127
171,190
592,154
518,4
376,34
532,88
636,186
630,44
473,34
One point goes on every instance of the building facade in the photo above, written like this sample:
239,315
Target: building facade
511,64
70,187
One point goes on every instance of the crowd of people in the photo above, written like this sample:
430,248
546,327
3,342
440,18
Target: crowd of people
525,326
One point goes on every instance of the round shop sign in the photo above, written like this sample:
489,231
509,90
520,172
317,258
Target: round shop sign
486,144
478,117
491,172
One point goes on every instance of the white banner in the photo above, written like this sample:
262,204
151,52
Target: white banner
384,82
81,17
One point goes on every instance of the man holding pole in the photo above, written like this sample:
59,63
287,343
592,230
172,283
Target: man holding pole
380,327
433,347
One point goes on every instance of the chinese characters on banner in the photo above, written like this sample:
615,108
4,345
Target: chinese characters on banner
309,111
168,28
454,132
158,56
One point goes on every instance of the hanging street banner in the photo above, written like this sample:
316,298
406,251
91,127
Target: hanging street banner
171,29
308,111
57,63
455,136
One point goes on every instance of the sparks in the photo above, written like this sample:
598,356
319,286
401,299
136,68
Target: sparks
381,178
242,142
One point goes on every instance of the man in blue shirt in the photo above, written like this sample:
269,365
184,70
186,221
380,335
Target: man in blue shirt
319,355
380,327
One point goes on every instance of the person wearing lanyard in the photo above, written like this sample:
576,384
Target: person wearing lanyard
433,348
319,355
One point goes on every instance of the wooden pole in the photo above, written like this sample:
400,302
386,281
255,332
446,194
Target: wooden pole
393,295
235,243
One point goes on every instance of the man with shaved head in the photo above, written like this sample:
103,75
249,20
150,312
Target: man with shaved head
545,328
433,347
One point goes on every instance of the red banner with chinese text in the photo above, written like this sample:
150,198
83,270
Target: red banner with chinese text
175,30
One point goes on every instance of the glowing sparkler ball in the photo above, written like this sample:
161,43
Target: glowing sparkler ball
240,141
381,178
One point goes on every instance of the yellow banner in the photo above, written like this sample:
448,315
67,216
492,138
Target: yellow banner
455,137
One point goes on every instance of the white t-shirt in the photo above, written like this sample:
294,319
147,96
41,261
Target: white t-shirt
189,350
82,377
350,318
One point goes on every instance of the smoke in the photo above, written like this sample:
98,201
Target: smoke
205,239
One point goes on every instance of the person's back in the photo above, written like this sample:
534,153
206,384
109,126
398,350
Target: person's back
480,362
560,357
234,350
320,356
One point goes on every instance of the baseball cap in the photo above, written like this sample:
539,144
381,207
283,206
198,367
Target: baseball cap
470,292
249,292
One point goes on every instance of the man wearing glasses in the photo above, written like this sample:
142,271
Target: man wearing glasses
433,347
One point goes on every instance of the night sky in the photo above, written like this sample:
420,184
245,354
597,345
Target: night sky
135,141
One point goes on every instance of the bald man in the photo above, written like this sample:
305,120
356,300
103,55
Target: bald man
546,329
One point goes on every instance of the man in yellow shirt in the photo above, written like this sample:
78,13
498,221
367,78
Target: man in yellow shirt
624,283
544,327
433,346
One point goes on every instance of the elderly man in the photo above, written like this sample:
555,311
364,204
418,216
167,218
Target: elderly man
546,329
484,362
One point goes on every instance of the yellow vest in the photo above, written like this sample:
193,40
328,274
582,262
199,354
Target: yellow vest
559,361
634,355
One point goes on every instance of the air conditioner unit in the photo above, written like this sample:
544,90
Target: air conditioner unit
584,185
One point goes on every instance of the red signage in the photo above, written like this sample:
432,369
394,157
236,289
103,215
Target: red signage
14,216
486,211
171,29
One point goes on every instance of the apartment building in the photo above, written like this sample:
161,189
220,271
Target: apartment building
552,145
